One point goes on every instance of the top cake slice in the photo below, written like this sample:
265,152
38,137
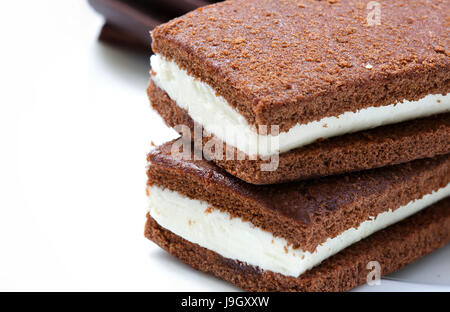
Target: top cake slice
294,62
291,63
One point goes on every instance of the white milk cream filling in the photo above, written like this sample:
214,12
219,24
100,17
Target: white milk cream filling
233,238
219,118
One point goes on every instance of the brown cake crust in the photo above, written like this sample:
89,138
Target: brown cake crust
288,62
393,247
305,213
375,148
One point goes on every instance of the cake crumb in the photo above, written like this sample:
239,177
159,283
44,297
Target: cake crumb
239,40
439,49
345,64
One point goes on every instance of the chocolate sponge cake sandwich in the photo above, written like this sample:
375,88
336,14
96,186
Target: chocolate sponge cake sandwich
328,87
316,235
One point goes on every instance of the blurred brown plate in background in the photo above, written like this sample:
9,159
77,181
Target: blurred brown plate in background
128,22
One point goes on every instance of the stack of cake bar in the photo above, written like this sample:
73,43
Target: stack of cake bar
320,140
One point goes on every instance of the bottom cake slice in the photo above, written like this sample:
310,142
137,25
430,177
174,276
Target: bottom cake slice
315,235
393,247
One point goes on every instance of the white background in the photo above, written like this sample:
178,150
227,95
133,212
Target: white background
75,127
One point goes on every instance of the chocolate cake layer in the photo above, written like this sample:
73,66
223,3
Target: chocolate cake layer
289,62
119,37
394,248
383,146
305,214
